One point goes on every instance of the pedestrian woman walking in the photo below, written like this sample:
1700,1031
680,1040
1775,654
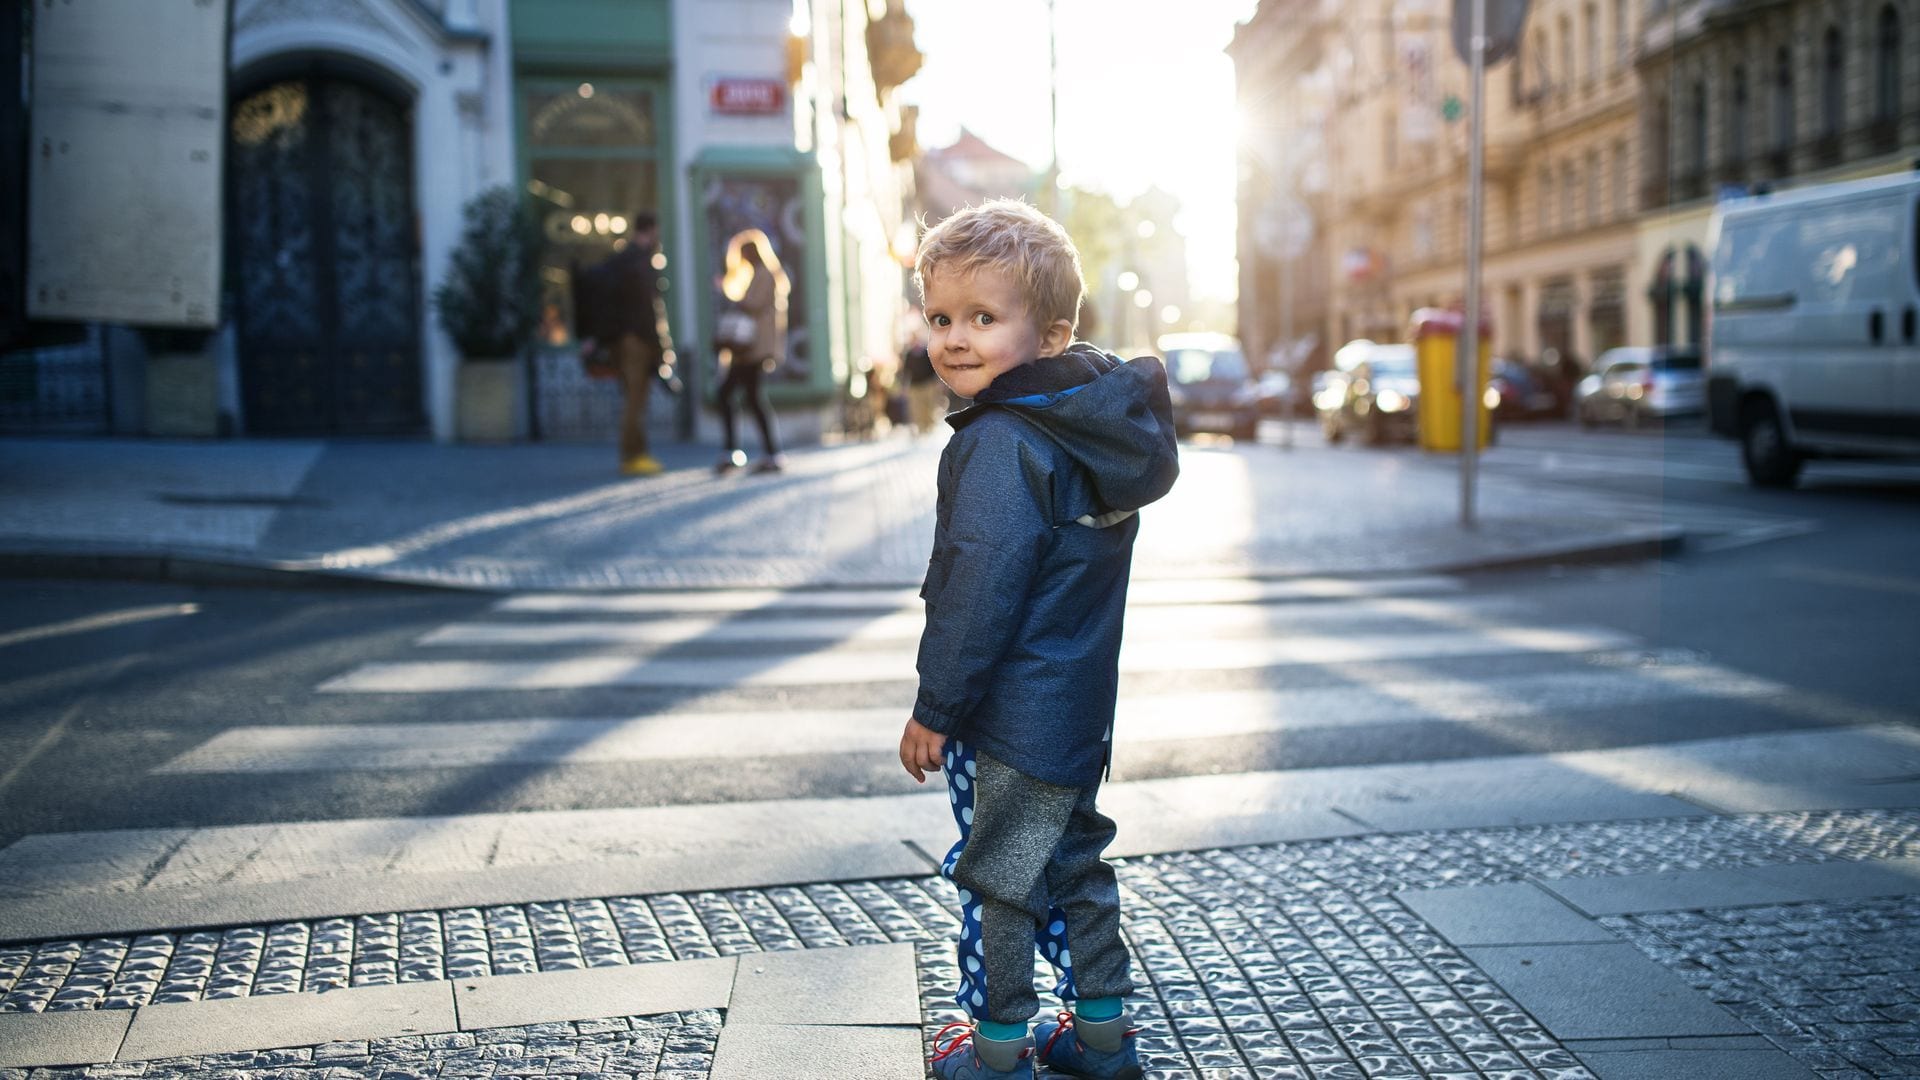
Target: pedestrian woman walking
756,288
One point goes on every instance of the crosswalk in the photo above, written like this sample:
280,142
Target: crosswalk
753,680
1378,650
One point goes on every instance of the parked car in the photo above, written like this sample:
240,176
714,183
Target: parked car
1638,384
1813,346
1373,391
1276,395
1518,392
1210,386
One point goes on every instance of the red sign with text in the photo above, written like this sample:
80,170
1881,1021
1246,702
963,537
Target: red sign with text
748,97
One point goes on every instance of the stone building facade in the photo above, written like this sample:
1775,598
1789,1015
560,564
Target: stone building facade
1372,96
1743,96
1608,136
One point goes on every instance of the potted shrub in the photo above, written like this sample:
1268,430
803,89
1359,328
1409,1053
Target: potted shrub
489,304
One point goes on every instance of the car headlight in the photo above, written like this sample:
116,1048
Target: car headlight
1491,399
1392,401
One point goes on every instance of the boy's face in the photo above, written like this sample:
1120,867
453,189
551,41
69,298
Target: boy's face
979,327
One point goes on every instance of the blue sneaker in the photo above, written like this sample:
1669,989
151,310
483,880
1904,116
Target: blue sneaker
1093,1050
966,1055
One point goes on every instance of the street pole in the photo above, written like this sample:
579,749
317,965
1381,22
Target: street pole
1052,196
1286,310
1467,359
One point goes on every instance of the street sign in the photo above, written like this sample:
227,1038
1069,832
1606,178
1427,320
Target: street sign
748,97
1505,20
129,133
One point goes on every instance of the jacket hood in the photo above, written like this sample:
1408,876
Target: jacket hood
1113,417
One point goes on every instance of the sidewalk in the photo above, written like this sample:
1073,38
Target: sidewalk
1739,908
557,517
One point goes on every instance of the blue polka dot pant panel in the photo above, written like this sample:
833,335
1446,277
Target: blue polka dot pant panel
1029,874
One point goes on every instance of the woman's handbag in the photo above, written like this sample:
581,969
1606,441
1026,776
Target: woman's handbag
734,329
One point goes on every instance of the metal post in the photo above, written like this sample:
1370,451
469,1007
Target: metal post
1467,357
1050,199
1286,308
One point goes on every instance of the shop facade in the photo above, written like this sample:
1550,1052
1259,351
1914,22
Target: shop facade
715,119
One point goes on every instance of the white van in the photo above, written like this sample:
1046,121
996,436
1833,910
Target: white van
1811,342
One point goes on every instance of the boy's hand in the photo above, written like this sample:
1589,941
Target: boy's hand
920,748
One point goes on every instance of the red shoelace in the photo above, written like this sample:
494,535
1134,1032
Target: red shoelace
962,1034
1066,1024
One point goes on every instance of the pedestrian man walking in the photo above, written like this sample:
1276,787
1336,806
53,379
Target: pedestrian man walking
622,318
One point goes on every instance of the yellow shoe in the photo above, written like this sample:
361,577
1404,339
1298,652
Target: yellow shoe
644,465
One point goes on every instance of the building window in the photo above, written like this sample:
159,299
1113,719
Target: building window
1832,87
1546,201
1566,52
1622,41
1737,113
1542,73
1886,73
1659,167
1590,20
593,159
1783,100
1594,205
1697,130
1569,196
1622,184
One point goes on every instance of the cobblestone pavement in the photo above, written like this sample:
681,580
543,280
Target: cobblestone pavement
1835,984
671,1046
1289,960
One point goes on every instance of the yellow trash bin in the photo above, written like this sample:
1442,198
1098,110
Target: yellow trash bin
1436,336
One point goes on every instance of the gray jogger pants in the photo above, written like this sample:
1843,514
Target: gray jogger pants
1030,875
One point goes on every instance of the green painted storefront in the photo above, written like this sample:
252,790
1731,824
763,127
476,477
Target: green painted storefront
594,106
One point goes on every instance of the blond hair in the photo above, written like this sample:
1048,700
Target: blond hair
738,273
1012,236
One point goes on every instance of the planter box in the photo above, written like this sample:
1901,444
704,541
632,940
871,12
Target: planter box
183,395
490,403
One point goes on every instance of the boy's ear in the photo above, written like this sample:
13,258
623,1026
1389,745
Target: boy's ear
1056,337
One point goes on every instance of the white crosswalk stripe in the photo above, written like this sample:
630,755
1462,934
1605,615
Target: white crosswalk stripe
844,666
773,733
1141,593
1150,623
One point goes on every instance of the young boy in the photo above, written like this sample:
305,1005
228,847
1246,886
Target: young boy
1019,662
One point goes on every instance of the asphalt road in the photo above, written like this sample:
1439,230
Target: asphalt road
106,687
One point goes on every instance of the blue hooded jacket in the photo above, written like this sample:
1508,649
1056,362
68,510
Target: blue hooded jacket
1027,588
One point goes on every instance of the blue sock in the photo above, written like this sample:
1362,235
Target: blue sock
1003,1032
1097,1009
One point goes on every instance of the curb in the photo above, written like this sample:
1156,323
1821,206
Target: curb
242,571
1666,541
164,567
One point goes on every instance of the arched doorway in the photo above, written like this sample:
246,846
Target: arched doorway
1681,278
325,258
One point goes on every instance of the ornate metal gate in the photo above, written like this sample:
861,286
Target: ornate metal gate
324,260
